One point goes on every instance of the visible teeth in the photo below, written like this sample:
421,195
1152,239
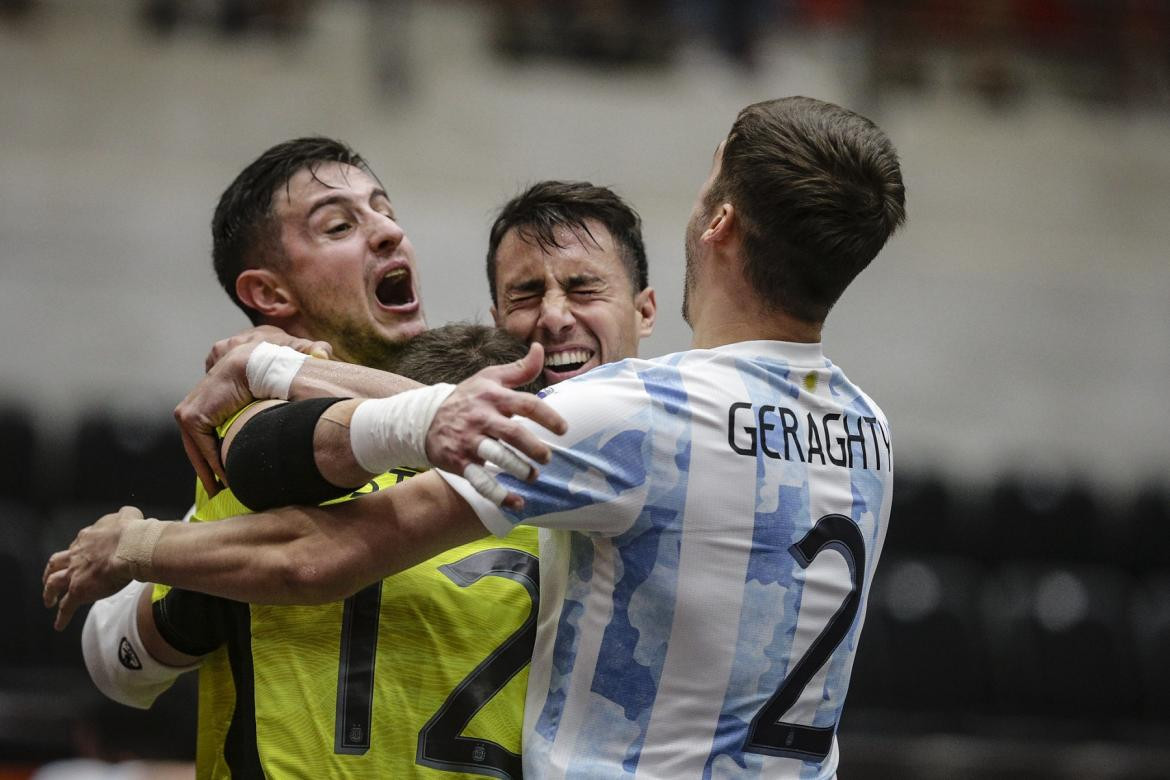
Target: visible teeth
567,357
395,274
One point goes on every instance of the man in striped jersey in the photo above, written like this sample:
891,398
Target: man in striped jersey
710,521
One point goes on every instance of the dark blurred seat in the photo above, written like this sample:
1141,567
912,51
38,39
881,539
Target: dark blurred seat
17,454
1046,521
1148,517
1060,644
1151,628
131,462
920,517
20,571
935,663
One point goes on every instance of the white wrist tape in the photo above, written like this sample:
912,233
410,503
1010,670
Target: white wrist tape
386,433
271,370
119,665
137,543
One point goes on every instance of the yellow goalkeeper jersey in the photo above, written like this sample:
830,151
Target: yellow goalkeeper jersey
420,675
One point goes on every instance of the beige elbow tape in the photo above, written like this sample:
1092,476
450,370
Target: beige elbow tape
136,547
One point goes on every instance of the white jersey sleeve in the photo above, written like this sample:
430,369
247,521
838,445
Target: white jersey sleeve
597,478
117,661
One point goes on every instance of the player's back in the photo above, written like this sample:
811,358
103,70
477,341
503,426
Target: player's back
715,635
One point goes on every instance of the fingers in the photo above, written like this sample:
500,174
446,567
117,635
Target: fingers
525,442
218,350
203,469
321,349
56,586
527,405
482,481
130,512
51,581
524,370
65,611
506,459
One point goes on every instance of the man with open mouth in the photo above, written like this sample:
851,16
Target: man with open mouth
567,268
306,241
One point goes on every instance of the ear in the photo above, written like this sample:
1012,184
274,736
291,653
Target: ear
266,292
496,317
646,305
723,223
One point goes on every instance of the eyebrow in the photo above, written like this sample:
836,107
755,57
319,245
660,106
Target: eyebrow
331,200
578,279
535,284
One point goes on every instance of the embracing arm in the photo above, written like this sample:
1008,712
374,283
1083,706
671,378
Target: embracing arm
295,555
449,436
332,378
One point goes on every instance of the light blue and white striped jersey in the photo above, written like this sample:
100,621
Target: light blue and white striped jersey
710,526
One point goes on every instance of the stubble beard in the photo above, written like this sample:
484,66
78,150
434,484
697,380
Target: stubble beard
365,347
691,250
356,341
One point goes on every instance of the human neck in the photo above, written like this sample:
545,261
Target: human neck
727,319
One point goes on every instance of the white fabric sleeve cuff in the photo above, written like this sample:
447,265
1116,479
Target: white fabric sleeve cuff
387,433
271,369
492,516
118,664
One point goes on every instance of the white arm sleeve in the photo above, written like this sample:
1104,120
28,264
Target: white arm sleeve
118,664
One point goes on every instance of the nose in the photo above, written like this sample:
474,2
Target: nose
385,234
556,316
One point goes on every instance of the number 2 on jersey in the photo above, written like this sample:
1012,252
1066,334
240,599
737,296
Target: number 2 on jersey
439,742
768,734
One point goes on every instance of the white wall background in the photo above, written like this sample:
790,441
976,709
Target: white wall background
1021,321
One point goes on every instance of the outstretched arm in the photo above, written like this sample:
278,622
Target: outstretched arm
294,555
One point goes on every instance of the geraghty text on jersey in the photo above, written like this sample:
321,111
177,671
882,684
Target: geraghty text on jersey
839,439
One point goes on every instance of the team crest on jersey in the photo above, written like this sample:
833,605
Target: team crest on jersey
127,656
355,733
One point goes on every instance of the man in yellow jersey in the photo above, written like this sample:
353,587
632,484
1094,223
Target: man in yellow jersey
422,670
305,238
467,682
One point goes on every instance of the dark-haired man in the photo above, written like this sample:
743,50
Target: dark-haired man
567,268
713,517
305,240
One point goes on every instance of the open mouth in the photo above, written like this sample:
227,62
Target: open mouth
395,289
568,361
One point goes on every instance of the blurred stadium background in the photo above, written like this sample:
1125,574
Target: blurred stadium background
1016,332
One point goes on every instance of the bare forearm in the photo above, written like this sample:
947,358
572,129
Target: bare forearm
249,558
332,450
307,555
332,378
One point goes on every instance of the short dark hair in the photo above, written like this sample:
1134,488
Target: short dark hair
453,352
545,206
818,190
244,230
